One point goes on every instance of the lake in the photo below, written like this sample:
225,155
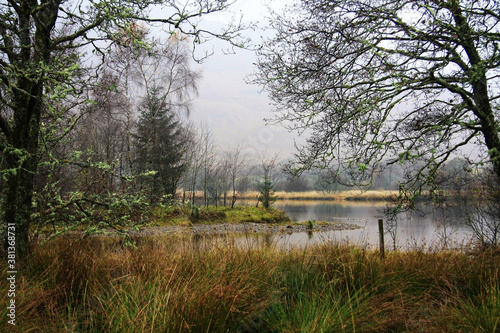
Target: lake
414,230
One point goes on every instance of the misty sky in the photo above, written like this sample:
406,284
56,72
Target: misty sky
234,110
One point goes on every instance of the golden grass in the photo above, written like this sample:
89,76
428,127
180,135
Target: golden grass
170,284
315,195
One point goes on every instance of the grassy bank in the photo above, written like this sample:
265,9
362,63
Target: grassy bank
173,285
185,215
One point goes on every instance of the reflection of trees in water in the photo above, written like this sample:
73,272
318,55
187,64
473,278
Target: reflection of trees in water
254,240
391,224
480,208
427,220
198,242
294,209
322,211
202,241
414,227
334,210
447,224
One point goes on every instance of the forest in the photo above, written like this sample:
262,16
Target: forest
97,145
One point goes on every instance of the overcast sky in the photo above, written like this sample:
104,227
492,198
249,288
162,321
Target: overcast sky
234,110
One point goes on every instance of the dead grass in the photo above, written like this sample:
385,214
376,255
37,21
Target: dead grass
381,195
315,195
213,285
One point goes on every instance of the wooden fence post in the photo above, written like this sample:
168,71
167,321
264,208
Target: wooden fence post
381,237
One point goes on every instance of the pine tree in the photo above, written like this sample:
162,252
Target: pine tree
159,145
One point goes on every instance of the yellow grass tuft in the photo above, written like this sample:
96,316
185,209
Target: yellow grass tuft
353,195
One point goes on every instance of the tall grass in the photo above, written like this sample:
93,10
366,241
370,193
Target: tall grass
214,285
351,195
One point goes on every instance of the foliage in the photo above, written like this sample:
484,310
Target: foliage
90,207
86,215
43,79
266,194
159,146
377,83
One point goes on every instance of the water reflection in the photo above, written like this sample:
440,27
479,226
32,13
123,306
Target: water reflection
414,229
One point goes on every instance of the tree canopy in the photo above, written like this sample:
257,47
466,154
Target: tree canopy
49,50
386,81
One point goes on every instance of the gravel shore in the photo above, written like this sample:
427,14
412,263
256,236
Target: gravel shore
245,227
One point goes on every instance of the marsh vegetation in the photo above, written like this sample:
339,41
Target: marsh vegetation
172,284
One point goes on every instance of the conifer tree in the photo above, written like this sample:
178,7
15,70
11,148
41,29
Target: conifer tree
159,144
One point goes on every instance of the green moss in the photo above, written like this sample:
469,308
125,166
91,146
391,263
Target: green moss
212,214
180,215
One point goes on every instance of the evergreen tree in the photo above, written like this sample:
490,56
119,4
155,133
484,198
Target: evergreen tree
266,187
266,193
159,145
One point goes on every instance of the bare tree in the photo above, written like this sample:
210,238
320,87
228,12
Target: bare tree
384,82
218,181
207,149
100,134
238,171
192,163
122,62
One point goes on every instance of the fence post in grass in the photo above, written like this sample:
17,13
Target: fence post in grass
381,237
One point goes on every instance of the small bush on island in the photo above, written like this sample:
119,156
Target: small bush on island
310,224
266,194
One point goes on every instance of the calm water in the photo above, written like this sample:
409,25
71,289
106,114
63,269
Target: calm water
413,230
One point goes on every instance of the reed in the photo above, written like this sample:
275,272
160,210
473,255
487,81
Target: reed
315,195
353,195
177,284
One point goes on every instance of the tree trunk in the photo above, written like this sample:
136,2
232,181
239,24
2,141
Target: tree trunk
21,163
479,81
16,208
21,147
